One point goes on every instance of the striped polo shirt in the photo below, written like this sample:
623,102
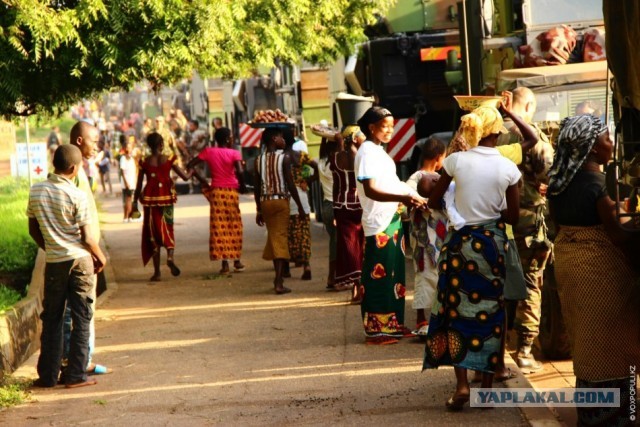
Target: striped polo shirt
60,209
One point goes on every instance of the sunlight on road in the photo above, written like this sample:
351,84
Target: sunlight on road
394,370
155,345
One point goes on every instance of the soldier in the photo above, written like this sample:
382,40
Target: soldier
531,239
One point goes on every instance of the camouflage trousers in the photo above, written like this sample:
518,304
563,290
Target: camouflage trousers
527,322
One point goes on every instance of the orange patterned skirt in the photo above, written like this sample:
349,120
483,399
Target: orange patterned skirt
225,224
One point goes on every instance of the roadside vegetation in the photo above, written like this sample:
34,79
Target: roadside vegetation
17,249
13,391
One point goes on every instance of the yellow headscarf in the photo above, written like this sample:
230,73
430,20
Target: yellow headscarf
480,123
350,131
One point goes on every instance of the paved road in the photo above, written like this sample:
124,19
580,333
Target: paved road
205,350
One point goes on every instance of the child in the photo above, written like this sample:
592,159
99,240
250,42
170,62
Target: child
428,230
59,222
104,165
129,178
158,198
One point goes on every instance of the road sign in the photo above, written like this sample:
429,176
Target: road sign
39,161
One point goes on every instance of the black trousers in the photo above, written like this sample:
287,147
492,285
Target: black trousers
67,282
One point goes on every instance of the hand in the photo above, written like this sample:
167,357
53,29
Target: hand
302,215
413,200
259,219
507,101
542,189
98,264
304,186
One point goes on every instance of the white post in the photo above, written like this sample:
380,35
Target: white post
26,131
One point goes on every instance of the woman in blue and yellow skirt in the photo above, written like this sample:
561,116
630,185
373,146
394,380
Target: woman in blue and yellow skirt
467,321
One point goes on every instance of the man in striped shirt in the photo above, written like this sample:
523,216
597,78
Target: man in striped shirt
60,223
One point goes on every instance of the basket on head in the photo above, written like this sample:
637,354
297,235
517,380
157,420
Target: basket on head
470,103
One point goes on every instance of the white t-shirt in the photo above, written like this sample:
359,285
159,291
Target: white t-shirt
129,171
326,179
482,176
372,162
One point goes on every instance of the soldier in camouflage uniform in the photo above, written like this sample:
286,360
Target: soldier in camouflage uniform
530,233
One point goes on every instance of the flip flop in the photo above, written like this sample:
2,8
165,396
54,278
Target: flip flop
381,340
282,291
98,370
88,382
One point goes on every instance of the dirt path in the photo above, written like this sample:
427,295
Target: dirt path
202,350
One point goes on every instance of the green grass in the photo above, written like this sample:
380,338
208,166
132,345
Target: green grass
17,250
8,297
14,392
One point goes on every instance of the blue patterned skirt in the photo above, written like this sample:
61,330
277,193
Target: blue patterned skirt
467,320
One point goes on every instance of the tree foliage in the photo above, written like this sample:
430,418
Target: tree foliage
55,52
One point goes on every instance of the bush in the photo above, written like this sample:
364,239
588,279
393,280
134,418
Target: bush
17,250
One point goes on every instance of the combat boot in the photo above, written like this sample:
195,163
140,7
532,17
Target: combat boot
525,360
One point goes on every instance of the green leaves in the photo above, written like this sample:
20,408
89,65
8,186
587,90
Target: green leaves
53,52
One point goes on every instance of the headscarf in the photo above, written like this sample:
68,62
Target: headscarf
480,123
372,115
350,131
577,136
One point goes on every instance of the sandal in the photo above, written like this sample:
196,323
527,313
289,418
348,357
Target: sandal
89,381
381,340
456,403
407,333
238,267
282,290
422,329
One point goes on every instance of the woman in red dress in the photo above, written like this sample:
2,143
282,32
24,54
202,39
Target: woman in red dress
158,198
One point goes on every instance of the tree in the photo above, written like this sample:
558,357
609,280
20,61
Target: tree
58,51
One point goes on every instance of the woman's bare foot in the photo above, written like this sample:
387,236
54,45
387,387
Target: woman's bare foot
155,278
175,271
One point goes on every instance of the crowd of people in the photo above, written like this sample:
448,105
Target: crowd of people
481,235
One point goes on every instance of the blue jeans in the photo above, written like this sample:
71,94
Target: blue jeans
68,284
